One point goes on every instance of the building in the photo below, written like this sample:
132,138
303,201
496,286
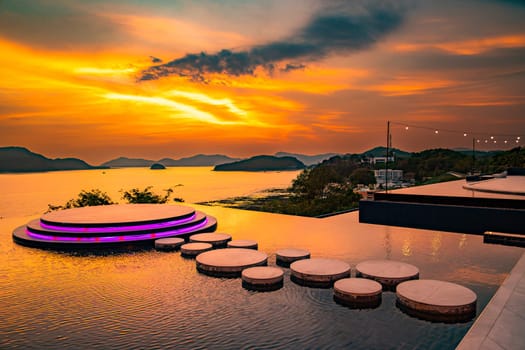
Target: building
395,177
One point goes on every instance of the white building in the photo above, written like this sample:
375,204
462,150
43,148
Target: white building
395,177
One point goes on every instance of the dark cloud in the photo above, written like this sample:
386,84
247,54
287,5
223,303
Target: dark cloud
325,34
155,59
290,67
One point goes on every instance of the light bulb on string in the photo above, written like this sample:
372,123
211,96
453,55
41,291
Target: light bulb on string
406,127
492,137
436,132
464,134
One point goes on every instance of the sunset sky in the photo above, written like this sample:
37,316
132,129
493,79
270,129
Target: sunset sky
173,78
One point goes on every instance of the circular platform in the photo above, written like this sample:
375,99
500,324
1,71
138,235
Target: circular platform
387,272
112,226
284,257
262,278
436,300
358,293
319,272
168,244
215,239
116,215
229,262
243,243
191,250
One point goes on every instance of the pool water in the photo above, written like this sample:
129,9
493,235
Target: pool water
151,299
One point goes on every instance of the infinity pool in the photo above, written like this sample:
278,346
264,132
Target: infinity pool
150,299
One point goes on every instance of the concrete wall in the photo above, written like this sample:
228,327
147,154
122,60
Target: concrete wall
453,218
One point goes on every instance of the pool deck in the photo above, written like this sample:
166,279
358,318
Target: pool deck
501,325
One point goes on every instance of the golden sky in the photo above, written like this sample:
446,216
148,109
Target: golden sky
102,79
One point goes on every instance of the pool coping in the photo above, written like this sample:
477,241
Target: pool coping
501,324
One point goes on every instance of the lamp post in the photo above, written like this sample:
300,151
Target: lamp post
473,155
386,158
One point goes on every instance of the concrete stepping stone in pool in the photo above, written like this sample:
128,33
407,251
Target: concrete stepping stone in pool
243,243
168,244
191,250
285,257
358,293
387,272
262,278
436,300
218,240
319,272
229,262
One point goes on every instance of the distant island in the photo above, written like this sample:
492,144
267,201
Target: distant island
199,160
307,159
21,160
196,160
124,162
263,163
157,166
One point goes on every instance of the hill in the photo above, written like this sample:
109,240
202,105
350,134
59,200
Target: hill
307,159
380,151
199,160
262,163
124,162
20,159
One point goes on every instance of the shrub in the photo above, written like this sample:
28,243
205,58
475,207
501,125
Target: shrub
136,195
84,199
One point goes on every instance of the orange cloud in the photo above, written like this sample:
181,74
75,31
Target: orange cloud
468,47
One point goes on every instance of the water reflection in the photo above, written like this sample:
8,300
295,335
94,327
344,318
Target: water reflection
158,300
406,249
436,245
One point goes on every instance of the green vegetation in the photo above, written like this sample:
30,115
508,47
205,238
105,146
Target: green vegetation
84,199
136,195
97,197
330,186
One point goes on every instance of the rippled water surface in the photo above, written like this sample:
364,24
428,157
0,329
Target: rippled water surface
151,299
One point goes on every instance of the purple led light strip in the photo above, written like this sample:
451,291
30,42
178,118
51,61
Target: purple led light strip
110,229
106,239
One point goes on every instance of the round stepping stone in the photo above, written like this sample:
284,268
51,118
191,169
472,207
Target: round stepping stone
168,244
358,293
285,257
191,250
387,272
243,243
229,262
262,278
216,239
319,272
436,301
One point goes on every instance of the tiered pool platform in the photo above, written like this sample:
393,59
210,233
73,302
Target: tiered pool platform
112,226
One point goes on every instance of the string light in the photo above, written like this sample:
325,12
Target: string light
477,137
464,132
